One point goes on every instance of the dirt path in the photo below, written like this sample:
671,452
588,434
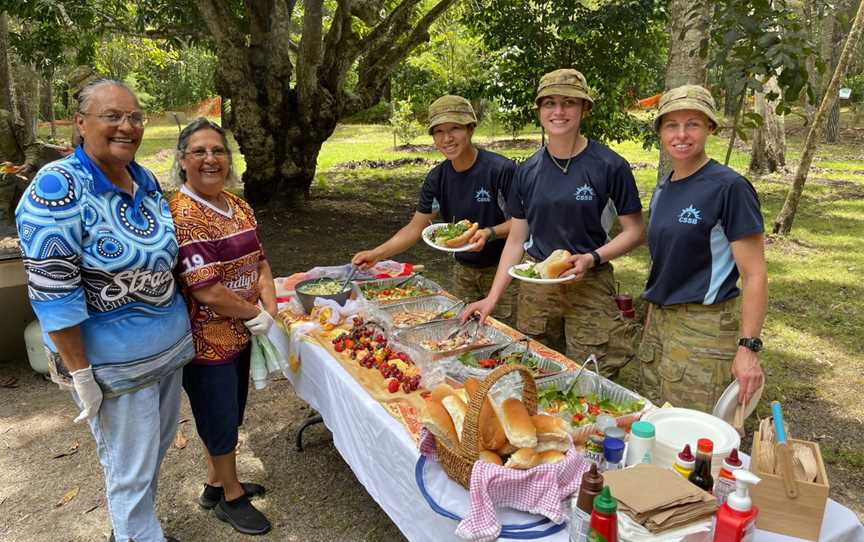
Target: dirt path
312,495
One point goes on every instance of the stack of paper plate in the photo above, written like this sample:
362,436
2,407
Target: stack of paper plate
675,427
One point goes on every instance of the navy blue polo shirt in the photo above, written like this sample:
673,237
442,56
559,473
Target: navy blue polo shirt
478,194
692,223
576,210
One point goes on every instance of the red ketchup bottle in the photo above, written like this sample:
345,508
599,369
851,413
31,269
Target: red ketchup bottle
604,518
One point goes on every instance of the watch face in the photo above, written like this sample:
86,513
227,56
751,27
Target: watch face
751,343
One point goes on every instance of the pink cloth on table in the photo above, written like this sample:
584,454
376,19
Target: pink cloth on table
542,490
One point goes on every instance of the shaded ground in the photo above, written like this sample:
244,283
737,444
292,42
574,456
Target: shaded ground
313,495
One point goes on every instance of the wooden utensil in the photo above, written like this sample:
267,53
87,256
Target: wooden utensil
783,453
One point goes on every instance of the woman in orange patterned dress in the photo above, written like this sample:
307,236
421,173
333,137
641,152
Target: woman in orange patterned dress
229,288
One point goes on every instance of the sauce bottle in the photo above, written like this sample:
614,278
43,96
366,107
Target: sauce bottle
725,483
736,519
701,475
604,518
580,521
685,462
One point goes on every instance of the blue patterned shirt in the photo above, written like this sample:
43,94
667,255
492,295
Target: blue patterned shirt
103,260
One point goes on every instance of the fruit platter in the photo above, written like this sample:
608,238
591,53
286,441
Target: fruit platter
382,367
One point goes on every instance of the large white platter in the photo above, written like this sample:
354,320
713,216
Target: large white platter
427,238
521,266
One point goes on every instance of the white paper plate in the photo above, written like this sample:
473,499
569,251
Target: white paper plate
725,407
521,266
427,238
675,427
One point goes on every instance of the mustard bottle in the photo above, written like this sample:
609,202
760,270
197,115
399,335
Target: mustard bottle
685,462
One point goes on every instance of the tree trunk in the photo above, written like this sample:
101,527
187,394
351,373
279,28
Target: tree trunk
684,65
730,99
7,78
783,222
769,140
831,39
27,97
47,94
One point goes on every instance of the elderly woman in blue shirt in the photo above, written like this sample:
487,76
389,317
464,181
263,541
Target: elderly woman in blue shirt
99,248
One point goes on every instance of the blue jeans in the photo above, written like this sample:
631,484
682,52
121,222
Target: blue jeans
132,432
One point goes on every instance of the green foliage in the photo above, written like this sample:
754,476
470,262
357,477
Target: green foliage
453,62
856,83
618,45
753,41
377,114
404,123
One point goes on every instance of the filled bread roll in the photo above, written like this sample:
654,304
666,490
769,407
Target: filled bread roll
437,420
517,423
492,435
554,265
490,457
523,458
457,409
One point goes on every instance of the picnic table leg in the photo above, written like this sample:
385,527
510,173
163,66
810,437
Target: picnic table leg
316,419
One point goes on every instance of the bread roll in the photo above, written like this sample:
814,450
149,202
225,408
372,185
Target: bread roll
546,445
490,457
461,394
554,265
492,435
457,409
437,420
517,423
465,237
523,458
441,391
506,449
549,457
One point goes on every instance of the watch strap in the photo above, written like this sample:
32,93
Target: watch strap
597,259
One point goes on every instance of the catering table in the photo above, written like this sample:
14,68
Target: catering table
383,456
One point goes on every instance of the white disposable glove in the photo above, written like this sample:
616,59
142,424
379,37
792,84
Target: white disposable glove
261,324
88,392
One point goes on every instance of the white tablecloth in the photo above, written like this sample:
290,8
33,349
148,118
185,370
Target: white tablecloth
383,457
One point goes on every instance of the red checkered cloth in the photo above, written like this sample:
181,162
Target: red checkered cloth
542,490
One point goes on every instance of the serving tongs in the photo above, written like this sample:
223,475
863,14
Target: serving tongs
463,326
597,383
403,282
495,353
443,313
351,275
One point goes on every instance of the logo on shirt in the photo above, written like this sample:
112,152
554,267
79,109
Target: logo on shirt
584,193
690,215
482,196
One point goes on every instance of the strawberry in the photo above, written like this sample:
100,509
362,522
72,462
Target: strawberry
392,385
339,346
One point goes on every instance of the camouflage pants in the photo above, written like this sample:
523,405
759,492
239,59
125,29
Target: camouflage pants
581,316
473,284
686,353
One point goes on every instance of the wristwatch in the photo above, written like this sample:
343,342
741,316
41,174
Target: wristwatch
752,343
597,259
492,234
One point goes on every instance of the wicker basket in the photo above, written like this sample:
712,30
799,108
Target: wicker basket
458,462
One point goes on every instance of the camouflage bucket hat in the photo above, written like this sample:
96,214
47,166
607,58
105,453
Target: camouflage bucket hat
451,109
692,97
564,82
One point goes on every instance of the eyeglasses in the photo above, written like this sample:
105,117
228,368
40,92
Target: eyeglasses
567,103
689,126
115,118
201,154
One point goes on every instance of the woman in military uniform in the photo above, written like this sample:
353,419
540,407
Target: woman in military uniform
471,183
567,196
705,229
